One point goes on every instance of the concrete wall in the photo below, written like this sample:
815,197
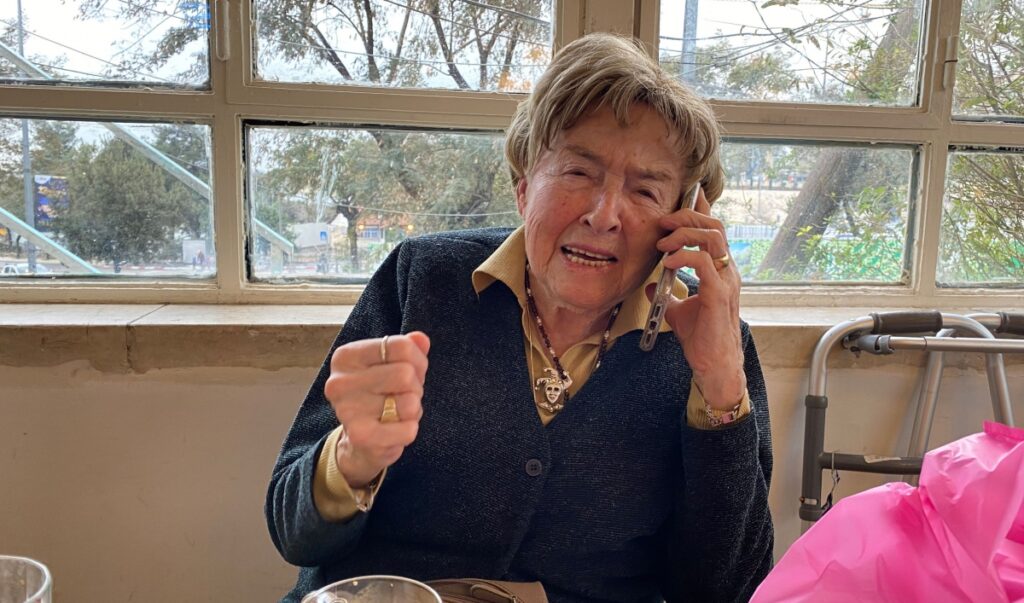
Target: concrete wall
147,484
145,487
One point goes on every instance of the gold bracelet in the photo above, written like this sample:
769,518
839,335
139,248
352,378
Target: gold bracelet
716,417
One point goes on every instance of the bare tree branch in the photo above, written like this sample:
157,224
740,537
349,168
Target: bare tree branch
396,58
327,52
369,43
453,70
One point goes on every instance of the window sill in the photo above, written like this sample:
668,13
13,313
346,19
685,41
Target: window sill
139,338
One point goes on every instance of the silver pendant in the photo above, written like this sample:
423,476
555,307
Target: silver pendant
553,387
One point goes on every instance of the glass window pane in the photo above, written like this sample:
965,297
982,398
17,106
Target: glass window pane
495,45
803,212
94,199
982,239
155,42
826,51
331,203
990,66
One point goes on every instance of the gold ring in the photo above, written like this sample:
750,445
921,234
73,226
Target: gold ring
390,412
384,350
724,261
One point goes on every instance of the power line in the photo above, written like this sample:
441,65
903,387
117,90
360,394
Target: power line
141,38
838,20
507,11
428,62
734,53
820,27
96,58
461,24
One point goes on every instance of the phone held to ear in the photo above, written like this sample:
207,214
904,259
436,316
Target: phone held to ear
664,290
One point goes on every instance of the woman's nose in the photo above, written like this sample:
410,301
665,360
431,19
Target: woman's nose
605,213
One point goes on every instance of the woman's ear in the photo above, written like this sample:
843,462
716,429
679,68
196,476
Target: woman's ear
703,205
521,196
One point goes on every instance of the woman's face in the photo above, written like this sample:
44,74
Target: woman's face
591,207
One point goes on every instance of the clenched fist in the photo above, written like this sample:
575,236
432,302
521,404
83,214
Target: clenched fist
363,375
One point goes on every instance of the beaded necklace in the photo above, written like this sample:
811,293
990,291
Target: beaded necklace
556,387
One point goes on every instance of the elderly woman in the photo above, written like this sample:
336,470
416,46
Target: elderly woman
487,412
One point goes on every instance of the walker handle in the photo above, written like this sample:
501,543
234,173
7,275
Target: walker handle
928,321
1010,323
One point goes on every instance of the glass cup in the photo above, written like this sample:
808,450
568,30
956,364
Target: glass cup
374,589
23,580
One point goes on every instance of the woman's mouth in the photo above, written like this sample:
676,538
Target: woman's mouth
587,258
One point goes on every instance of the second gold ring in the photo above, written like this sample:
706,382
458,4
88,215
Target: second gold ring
390,412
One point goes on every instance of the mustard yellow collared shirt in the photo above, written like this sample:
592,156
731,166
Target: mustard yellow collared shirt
336,501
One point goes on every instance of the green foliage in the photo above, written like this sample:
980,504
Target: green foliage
983,220
53,151
54,147
869,259
990,71
11,196
866,259
124,208
724,71
404,181
763,76
186,145
870,206
983,215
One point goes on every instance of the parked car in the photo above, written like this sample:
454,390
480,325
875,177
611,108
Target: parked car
17,269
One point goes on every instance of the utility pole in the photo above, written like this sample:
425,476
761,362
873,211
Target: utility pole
689,58
26,163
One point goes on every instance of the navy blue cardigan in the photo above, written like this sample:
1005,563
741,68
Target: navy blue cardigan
617,499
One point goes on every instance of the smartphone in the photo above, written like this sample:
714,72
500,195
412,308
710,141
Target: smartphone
664,290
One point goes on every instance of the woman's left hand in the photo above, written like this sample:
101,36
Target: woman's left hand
707,324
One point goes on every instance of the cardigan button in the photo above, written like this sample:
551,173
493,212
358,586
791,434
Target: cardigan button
534,467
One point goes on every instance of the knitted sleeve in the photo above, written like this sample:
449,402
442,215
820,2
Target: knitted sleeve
301,535
719,543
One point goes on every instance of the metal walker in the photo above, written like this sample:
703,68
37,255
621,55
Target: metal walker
885,333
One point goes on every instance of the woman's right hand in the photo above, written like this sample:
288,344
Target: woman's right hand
359,383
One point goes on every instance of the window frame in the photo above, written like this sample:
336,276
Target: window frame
930,126
235,99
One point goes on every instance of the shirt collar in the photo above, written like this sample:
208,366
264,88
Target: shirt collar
508,262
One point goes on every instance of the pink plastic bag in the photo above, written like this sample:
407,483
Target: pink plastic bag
959,536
